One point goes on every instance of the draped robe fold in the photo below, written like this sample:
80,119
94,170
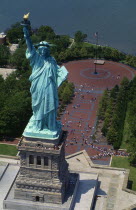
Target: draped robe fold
45,79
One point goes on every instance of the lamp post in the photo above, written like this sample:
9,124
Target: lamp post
96,36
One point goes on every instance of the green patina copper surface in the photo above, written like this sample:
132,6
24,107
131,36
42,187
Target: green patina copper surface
45,79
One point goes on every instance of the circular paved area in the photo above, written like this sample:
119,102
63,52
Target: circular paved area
109,74
90,73
80,116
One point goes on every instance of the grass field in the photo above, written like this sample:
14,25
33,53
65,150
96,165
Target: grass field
10,150
122,162
126,133
86,44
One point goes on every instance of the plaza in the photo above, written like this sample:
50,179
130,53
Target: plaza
80,117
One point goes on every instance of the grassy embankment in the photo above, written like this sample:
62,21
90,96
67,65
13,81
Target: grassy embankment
10,150
123,162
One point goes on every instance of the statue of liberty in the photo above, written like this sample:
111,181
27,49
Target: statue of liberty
46,77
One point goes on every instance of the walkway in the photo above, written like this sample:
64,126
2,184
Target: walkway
6,181
80,117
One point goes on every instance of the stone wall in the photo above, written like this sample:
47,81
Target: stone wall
43,173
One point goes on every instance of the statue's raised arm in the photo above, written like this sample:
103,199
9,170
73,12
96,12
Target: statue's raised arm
25,25
27,38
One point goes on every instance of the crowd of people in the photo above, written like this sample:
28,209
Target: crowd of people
101,151
80,130
104,152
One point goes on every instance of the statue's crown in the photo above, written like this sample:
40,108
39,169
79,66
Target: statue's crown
44,43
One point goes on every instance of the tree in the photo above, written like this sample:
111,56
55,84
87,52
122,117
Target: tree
117,55
111,135
132,89
83,52
10,84
79,37
2,92
103,105
107,52
61,43
4,55
15,114
66,91
131,60
35,38
105,128
18,59
46,33
15,33
112,110
114,92
61,89
131,138
66,95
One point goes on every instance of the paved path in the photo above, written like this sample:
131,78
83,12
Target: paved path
72,42
86,191
11,161
6,181
80,117
112,193
8,144
11,141
3,167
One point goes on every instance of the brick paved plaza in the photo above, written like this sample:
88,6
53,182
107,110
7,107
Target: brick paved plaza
80,116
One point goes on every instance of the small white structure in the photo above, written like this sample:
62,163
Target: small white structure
5,72
2,38
13,48
100,62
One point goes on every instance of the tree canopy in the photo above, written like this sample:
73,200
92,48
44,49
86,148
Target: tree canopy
79,37
4,55
15,33
117,110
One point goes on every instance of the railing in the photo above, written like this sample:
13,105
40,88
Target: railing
39,149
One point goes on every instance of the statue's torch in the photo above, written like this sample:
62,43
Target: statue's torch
26,21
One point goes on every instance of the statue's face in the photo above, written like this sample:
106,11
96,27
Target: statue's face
44,51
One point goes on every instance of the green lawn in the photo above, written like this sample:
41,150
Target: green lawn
84,44
10,150
126,133
122,162
87,44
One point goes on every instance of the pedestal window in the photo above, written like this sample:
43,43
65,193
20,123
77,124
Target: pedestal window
46,162
31,159
37,198
38,160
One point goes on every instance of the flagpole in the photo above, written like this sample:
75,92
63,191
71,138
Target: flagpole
96,35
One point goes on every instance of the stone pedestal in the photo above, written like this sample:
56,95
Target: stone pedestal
44,172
